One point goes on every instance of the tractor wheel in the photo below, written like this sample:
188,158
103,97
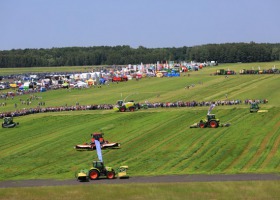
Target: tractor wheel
122,109
93,174
213,124
131,109
201,125
111,175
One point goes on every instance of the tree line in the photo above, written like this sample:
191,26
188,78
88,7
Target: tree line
123,55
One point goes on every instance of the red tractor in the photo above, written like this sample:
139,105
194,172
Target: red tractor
103,143
119,78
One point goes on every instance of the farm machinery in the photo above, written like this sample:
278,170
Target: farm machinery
9,123
254,107
224,72
99,170
211,121
119,78
104,144
123,106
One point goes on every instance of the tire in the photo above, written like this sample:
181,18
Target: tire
111,175
131,109
213,124
122,109
201,125
93,174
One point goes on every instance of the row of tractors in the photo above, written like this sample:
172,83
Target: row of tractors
246,71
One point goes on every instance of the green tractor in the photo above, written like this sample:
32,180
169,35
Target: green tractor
9,123
254,107
123,106
99,170
210,122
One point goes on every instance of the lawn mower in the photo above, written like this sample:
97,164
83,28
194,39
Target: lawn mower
9,123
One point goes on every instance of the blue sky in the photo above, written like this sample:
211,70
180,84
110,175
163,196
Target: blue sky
148,23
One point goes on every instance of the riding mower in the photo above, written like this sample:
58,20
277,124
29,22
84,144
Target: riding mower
99,170
9,123
210,122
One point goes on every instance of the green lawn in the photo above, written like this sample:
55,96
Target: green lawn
159,191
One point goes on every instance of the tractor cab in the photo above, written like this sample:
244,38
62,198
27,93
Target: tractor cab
254,107
8,120
97,136
119,102
210,117
98,165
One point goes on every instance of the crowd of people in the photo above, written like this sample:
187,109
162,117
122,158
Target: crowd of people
41,106
77,107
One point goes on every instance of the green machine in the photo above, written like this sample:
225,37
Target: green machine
99,170
9,123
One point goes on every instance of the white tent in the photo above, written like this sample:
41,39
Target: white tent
81,84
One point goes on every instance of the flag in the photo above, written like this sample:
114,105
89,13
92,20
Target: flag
98,150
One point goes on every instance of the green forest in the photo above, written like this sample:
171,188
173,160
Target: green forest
122,55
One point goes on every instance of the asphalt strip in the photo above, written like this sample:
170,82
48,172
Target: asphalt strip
142,179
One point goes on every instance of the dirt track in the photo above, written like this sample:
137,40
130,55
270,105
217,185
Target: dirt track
152,179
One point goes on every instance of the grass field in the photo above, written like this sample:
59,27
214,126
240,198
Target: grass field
217,190
153,141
